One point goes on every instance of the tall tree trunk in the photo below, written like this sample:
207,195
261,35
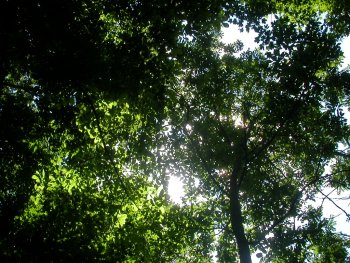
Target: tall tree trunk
237,223
235,205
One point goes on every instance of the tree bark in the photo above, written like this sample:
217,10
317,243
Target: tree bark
237,223
235,205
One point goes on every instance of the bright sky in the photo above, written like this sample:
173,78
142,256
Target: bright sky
345,46
231,34
175,189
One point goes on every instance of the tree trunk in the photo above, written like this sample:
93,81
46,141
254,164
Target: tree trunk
235,206
237,223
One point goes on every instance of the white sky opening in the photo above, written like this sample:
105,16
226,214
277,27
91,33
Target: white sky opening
176,189
345,46
232,33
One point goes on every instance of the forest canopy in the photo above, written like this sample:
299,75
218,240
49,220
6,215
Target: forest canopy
101,102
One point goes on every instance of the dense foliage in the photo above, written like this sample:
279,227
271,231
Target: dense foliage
102,101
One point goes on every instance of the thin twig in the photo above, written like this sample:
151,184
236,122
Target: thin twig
326,196
336,205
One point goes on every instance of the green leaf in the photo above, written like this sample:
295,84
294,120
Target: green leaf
36,178
121,219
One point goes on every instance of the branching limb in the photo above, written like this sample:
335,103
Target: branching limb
326,196
204,163
194,145
292,206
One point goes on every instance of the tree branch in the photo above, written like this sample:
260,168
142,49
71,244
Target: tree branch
204,163
292,206
268,142
335,204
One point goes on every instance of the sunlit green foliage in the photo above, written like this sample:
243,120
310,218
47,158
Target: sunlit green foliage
101,101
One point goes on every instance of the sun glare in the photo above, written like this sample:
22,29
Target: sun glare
175,189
